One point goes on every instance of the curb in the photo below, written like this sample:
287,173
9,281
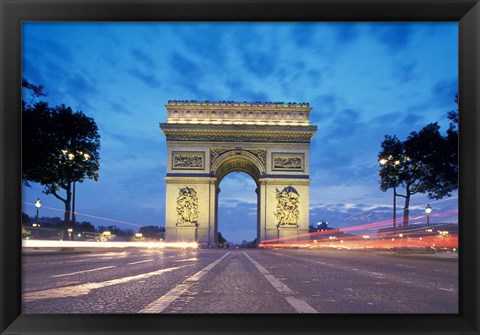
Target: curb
422,256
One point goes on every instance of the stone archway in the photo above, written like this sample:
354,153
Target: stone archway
238,160
206,141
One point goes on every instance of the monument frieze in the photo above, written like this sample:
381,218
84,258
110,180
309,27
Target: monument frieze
188,160
288,161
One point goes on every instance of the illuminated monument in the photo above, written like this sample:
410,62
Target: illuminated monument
208,140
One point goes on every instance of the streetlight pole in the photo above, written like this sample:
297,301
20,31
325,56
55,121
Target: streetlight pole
71,157
394,208
74,214
428,210
383,162
38,204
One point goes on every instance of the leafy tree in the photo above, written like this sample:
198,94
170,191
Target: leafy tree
25,232
60,147
26,219
452,148
420,164
34,90
221,239
85,226
153,232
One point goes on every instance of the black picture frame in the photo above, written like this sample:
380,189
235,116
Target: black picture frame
465,12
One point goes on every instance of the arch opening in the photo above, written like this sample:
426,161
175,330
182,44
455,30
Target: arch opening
237,209
247,164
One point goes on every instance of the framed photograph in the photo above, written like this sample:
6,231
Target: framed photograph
113,220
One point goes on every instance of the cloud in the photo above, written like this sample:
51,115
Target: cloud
120,108
205,41
404,72
444,92
184,67
56,49
260,63
303,34
411,119
346,32
395,36
146,77
142,57
238,222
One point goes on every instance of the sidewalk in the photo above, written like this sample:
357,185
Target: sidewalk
442,256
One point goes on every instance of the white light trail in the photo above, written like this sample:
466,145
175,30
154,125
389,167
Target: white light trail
87,215
83,244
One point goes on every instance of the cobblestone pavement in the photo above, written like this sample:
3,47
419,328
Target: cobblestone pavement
238,281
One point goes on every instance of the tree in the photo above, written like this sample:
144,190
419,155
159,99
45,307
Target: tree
420,164
452,148
221,239
25,232
85,226
153,232
26,219
35,91
60,147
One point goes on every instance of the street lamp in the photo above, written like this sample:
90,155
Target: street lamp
383,162
428,210
71,157
38,204
106,235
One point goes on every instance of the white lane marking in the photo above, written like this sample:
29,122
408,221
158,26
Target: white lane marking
164,301
299,305
74,273
186,260
83,289
144,261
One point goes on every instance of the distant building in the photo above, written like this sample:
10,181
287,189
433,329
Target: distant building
418,230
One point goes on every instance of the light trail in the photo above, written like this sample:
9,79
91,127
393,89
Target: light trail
87,215
83,244
404,238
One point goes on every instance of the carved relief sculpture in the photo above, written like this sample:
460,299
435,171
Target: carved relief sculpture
287,162
215,153
187,207
261,154
287,212
188,160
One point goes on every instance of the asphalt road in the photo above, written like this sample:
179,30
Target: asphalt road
238,281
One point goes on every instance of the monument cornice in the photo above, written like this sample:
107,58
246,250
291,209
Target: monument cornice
190,180
235,133
282,181
231,105
236,127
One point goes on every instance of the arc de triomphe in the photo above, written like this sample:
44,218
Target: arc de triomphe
208,140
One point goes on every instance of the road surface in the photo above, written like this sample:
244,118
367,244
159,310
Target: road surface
238,281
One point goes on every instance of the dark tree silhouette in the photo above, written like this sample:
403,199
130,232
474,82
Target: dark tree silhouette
420,164
221,239
153,232
59,147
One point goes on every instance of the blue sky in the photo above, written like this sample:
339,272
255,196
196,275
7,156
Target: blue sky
363,81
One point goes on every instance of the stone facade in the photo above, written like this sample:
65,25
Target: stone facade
206,141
